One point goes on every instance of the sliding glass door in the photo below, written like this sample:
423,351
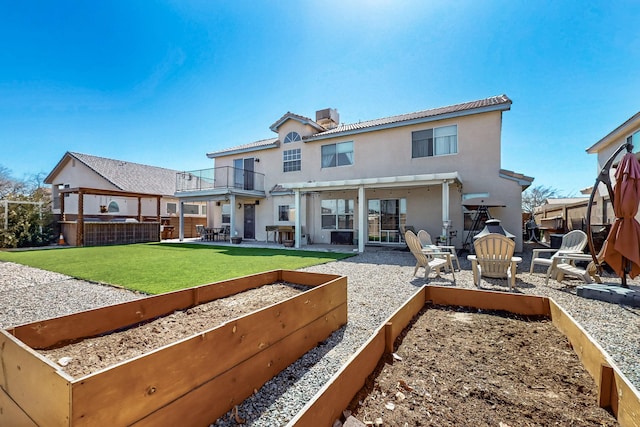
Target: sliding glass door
384,219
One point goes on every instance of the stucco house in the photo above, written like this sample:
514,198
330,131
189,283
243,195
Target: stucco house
360,183
629,131
130,190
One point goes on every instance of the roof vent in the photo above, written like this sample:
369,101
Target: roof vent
328,118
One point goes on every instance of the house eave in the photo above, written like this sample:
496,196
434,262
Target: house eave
523,180
623,129
215,155
218,194
305,121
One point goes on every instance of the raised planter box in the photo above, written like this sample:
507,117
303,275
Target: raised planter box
614,390
191,382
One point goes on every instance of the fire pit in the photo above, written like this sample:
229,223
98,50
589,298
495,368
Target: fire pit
493,226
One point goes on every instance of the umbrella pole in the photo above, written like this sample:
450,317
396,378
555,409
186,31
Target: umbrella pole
625,270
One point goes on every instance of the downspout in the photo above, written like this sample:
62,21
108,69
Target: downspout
232,216
298,230
445,210
181,224
361,218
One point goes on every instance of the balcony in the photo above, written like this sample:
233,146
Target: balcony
220,181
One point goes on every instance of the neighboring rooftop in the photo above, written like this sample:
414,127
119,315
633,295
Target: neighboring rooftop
126,176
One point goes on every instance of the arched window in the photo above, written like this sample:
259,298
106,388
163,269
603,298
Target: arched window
113,207
292,137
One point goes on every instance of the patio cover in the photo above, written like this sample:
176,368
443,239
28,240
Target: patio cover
381,182
444,179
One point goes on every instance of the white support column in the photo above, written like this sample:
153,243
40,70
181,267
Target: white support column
362,218
181,224
232,217
298,232
445,206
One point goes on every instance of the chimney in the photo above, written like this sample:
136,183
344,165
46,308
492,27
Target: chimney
328,118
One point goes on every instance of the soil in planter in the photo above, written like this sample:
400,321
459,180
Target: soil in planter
460,368
92,354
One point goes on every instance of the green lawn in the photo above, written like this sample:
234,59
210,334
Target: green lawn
162,267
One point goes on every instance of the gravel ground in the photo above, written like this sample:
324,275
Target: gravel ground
378,282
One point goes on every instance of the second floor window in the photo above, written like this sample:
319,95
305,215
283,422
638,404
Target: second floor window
434,142
291,160
340,154
292,137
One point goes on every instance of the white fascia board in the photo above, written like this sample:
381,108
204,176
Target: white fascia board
241,151
624,129
522,182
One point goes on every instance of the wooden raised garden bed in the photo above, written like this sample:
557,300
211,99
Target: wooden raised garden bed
190,382
614,392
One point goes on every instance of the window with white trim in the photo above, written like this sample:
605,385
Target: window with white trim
292,137
434,142
286,213
189,209
337,214
291,160
340,154
226,213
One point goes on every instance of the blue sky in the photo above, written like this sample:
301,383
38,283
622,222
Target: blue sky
165,82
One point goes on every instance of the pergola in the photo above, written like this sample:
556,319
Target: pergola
82,191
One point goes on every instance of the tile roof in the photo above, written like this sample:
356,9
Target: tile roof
434,112
302,119
565,200
495,102
133,177
263,143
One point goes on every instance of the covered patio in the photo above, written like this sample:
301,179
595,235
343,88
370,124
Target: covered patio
364,186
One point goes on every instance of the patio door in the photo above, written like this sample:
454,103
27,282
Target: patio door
243,173
384,219
249,221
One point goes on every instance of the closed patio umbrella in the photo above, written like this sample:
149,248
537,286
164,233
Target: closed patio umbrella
622,247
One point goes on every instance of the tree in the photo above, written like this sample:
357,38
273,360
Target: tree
29,223
534,197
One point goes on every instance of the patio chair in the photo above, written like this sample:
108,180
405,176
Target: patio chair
573,242
426,260
565,264
494,258
425,241
225,233
201,232
405,228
